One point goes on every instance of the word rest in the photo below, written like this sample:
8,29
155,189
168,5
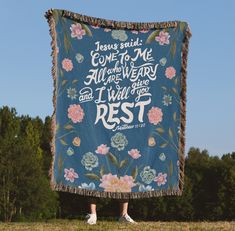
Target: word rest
108,114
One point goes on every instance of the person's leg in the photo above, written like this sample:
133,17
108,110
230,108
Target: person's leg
92,217
124,216
123,206
92,204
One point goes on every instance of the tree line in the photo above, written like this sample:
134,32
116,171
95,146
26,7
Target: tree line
25,194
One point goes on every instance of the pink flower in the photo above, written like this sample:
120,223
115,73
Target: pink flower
163,38
77,31
155,115
170,72
134,31
75,113
111,183
67,64
70,174
160,178
107,29
144,31
126,183
95,26
134,153
102,149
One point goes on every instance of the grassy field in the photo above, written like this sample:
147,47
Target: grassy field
64,225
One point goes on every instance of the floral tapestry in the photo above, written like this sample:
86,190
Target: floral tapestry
118,125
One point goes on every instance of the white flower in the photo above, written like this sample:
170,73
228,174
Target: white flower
119,35
167,100
72,93
70,151
143,188
90,161
162,156
148,174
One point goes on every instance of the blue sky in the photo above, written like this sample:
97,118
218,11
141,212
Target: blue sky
25,61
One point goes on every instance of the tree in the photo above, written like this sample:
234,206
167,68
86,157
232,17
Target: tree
24,189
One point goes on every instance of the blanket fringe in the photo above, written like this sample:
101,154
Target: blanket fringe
177,191
117,195
112,23
52,31
181,154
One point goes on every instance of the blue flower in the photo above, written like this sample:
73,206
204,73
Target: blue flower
89,160
167,99
143,188
79,57
119,35
148,174
70,151
72,93
90,186
162,156
119,141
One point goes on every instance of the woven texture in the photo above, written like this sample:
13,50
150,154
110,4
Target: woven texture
118,125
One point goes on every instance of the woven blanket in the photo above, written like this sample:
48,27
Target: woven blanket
119,98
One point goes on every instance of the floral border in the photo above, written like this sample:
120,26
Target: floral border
117,25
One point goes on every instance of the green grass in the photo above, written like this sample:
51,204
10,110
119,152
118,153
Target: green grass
70,225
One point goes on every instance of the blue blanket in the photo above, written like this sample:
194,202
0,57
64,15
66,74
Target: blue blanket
119,101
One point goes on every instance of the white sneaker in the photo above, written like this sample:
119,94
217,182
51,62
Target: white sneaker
91,218
126,219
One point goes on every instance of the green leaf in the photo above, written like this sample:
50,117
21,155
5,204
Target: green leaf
174,116
57,127
182,26
102,171
63,142
61,73
170,133
56,15
175,81
60,162
134,172
152,36
166,30
66,43
174,90
74,81
113,159
86,28
68,126
63,19
160,130
123,163
164,88
163,145
171,168
173,49
92,176
64,82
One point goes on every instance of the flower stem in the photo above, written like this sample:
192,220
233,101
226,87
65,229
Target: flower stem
166,140
128,166
65,134
175,148
107,163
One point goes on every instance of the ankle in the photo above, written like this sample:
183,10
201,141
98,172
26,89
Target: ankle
123,214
